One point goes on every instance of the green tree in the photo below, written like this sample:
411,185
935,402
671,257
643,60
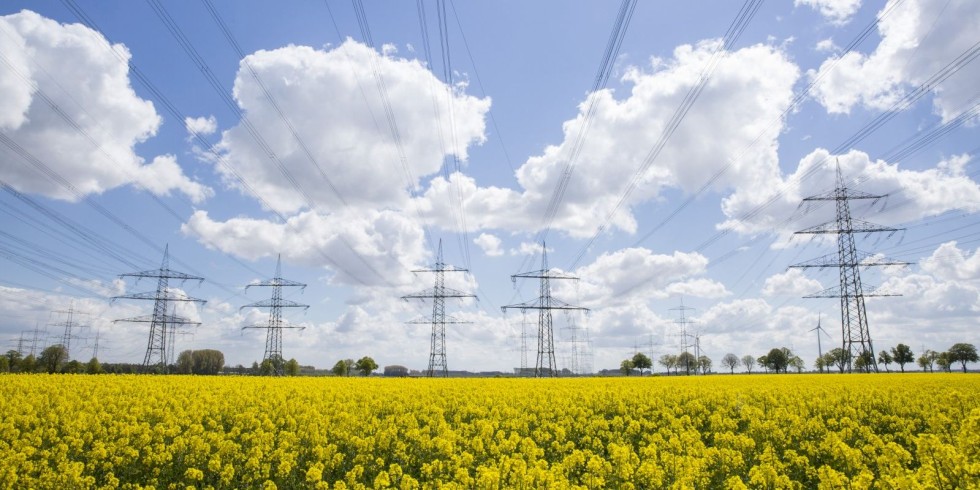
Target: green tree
687,361
29,364
292,368
4,364
73,367
626,366
902,355
749,363
731,361
840,358
266,368
185,362
93,366
52,358
763,362
944,361
963,353
865,361
365,366
13,360
885,358
704,364
342,368
777,360
208,361
820,363
797,363
641,362
668,361
927,360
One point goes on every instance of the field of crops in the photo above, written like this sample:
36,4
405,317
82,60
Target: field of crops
785,431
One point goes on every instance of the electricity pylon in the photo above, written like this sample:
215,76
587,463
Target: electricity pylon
161,321
545,303
854,320
70,325
683,322
273,336
438,295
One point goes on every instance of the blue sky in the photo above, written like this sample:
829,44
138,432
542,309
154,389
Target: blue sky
280,129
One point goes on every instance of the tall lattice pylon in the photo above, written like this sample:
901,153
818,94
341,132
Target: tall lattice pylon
70,324
438,295
273,336
545,303
854,320
162,320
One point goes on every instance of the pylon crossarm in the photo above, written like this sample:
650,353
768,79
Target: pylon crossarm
443,293
835,292
861,259
428,321
163,273
265,326
275,303
169,319
857,226
543,274
276,282
844,193
153,295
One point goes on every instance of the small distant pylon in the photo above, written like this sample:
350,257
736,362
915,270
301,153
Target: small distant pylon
160,321
273,337
854,320
70,325
683,322
438,295
545,303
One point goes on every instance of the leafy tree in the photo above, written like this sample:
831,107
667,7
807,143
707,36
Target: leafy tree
749,362
73,367
4,364
704,363
963,353
865,361
902,355
777,360
266,368
763,362
840,358
820,363
797,363
185,362
292,368
927,360
13,360
943,361
626,366
365,366
52,358
93,366
208,361
29,364
641,362
730,360
668,361
885,358
687,361
342,368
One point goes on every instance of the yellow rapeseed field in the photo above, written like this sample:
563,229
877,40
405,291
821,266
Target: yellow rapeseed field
784,431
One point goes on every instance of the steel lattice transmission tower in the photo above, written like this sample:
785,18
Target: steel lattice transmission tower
161,321
854,319
438,295
545,303
273,337
70,325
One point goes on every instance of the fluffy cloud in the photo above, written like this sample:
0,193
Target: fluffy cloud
918,39
331,101
791,283
912,194
490,244
637,272
836,11
68,102
361,248
200,125
749,89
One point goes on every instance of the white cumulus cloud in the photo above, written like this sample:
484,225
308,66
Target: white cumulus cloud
836,11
